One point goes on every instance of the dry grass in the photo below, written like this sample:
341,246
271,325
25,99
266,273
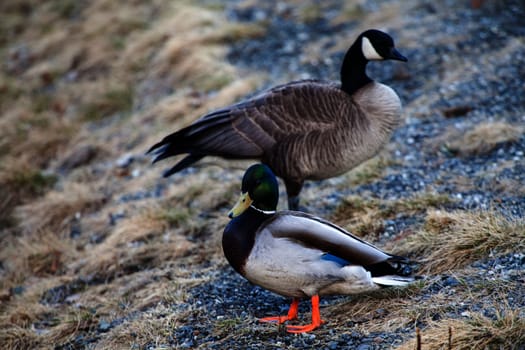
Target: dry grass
505,331
27,147
382,311
450,240
350,12
18,338
40,259
137,243
365,217
58,209
152,293
35,136
20,181
390,310
149,329
369,171
72,91
481,139
114,99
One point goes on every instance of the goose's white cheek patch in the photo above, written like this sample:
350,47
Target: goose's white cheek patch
369,51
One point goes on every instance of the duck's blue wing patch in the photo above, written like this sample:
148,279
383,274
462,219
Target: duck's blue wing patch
339,261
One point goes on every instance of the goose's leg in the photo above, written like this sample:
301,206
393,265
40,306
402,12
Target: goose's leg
292,314
316,319
293,188
293,203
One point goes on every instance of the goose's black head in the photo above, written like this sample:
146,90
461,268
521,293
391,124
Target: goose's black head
376,45
371,45
259,189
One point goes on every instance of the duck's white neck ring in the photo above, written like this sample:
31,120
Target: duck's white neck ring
267,212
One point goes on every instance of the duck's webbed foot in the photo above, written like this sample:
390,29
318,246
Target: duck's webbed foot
292,314
316,319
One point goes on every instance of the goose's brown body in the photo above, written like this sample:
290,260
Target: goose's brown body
303,130
332,132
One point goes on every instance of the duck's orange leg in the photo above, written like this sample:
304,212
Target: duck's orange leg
316,319
292,314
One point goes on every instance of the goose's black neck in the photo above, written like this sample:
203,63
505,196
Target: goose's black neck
238,238
353,69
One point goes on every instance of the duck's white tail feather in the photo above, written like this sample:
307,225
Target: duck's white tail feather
393,280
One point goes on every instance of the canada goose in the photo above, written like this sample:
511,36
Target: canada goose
308,129
299,255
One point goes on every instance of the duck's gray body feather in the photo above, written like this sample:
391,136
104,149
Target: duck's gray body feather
289,258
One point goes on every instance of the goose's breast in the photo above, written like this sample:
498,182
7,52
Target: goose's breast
365,127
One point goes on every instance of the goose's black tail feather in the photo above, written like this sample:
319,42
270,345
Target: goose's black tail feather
213,134
184,163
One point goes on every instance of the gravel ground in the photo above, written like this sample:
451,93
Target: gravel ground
466,66
229,297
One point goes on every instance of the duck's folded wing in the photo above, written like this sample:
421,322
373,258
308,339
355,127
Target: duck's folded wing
316,233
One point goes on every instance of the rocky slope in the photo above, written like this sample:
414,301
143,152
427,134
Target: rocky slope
101,252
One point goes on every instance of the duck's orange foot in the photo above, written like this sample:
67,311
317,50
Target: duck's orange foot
316,319
292,314
303,329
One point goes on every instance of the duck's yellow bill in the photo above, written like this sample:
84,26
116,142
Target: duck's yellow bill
242,204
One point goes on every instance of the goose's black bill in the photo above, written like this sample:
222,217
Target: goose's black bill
396,55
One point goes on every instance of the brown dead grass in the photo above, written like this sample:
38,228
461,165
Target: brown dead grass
451,240
20,181
389,310
136,243
382,311
42,146
100,75
43,255
505,331
366,217
482,138
369,171
197,55
70,325
57,209
149,329
18,338
152,293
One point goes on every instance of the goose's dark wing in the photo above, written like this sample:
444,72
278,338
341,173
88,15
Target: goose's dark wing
250,129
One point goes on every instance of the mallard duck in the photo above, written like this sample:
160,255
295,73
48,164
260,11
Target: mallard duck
298,255
308,129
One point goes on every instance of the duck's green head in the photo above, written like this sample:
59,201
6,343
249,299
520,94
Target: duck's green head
259,189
